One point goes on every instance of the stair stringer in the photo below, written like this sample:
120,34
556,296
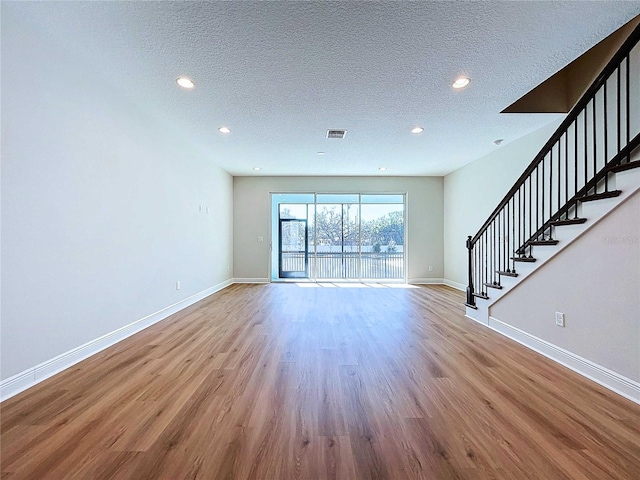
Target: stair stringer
627,181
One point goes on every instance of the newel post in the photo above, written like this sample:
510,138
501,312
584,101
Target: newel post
471,300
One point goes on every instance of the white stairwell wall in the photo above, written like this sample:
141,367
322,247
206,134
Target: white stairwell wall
595,282
593,277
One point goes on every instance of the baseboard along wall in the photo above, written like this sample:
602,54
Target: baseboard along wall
28,378
601,375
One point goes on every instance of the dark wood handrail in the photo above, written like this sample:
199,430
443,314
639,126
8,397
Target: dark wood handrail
571,117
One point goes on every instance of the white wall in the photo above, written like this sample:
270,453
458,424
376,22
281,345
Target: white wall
252,218
474,191
100,206
596,284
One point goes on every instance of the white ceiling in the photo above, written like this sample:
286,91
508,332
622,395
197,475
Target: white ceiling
279,74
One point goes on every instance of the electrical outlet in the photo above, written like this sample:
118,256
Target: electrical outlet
560,319
177,285
431,268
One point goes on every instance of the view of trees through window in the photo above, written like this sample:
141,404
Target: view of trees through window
353,239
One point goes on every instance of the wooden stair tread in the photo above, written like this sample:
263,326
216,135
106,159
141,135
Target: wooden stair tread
568,221
481,295
507,274
543,242
493,285
599,196
624,166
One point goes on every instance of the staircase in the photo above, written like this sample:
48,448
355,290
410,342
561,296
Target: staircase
587,168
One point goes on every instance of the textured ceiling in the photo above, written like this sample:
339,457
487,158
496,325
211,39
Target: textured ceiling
279,74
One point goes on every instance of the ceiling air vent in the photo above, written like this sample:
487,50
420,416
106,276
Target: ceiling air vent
336,133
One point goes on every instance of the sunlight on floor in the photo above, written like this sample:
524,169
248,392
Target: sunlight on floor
353,285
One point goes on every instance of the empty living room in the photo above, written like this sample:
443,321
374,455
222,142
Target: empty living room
320,240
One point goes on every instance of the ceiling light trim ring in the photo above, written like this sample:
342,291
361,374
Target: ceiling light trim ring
185,82
460,83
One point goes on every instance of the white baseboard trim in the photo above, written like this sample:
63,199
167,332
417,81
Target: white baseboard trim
476,320
597,373
251,280
17,383
425,281
456,285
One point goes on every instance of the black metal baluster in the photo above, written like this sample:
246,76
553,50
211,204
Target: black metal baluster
495,251
618,99
480,263
483,262
566,167
559,176
543,183
486,261
586,146
521,220
499,252
479,247
505,228
575,160
551,183
495,254
530,216
492,253
627,101
595,143
513,234
606,135
471,301
537,200
476,263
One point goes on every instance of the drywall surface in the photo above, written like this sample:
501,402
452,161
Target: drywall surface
100,205
474,191
596,283
252,217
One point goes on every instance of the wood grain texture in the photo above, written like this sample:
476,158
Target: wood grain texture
311,382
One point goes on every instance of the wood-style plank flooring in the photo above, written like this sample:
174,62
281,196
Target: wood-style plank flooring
284,382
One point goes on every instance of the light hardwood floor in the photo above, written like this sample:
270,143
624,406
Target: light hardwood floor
284,382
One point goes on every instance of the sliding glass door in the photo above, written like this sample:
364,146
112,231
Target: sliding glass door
341,237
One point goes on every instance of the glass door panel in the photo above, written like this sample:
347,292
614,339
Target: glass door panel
350,241
294,249
328,257
382,234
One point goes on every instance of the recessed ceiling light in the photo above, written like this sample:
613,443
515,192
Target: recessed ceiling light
383,169
417,130
185,82
498,141
320,153
257,169
461,82
224,130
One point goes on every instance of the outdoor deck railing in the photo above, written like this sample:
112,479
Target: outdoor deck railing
348,265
